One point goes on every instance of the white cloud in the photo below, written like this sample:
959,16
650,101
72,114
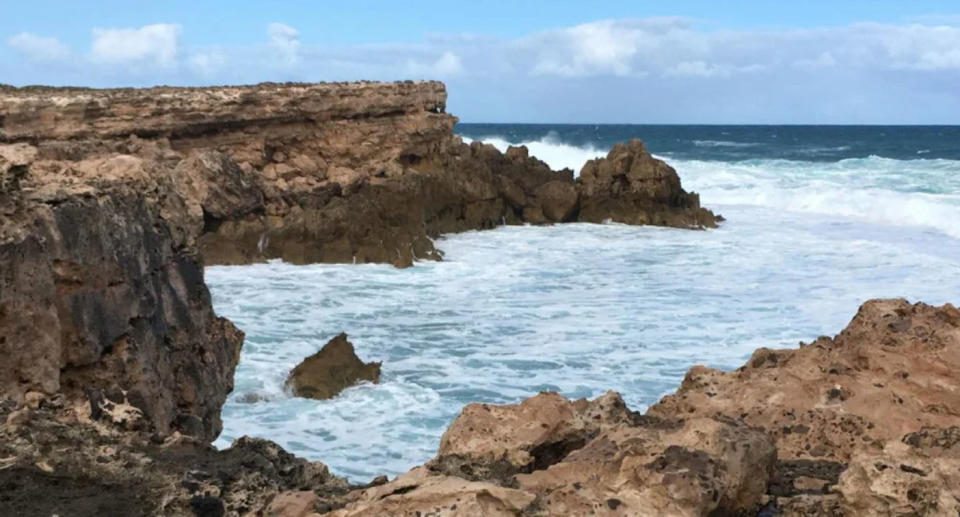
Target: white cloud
597,48
447,65
285,40
207,64
888,64
824,60
38,48
151,44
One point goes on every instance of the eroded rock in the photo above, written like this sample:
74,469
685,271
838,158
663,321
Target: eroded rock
334,368
630,186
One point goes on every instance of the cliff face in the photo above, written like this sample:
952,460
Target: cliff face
359,172
99,302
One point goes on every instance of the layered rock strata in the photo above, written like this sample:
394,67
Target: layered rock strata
113,200
358,172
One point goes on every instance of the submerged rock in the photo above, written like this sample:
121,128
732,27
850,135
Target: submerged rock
334,368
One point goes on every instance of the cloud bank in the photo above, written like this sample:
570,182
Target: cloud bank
624,70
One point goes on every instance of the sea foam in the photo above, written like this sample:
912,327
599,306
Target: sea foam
899,192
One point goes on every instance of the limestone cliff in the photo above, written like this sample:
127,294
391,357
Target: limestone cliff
354,172
113,200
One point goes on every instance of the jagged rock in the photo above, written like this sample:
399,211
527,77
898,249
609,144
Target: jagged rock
442,496
357,172
551,456
631,186
891,372
334,368
918,475
496,442
63,462
96,297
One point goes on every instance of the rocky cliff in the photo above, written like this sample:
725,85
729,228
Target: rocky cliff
357,172
113,200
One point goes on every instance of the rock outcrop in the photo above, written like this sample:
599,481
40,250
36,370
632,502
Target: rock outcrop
56,459
356,172
334,368
783,435
881,395
100,299
551,456
631,186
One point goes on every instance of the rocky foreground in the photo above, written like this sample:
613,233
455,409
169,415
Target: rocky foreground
115,365
865,423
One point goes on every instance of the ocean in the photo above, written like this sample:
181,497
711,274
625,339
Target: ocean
819,219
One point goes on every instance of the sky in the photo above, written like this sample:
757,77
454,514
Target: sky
618,61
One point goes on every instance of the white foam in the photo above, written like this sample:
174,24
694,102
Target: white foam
549,149
724,143
582,308
575,308
896,192
880,190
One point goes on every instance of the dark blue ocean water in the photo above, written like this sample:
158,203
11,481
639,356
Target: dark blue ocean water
735,143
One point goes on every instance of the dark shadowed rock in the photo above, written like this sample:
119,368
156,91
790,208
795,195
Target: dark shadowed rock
558,200
334,368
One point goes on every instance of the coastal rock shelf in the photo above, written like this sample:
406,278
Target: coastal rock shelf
113,200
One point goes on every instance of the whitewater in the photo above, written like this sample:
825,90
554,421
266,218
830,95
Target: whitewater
812,231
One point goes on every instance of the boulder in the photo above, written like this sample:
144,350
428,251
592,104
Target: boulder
334,368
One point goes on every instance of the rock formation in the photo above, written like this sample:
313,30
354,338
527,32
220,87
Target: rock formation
358,172
631,186
113,200
865,423
883,394
334,368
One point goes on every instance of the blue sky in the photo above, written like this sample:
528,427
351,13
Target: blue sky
845,61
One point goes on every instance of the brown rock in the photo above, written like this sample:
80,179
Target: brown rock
551,456
359,172
13,162
558,200
293,504
54,463
909,476
446,496
693,467
334,368
631,186
887,375
496,442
